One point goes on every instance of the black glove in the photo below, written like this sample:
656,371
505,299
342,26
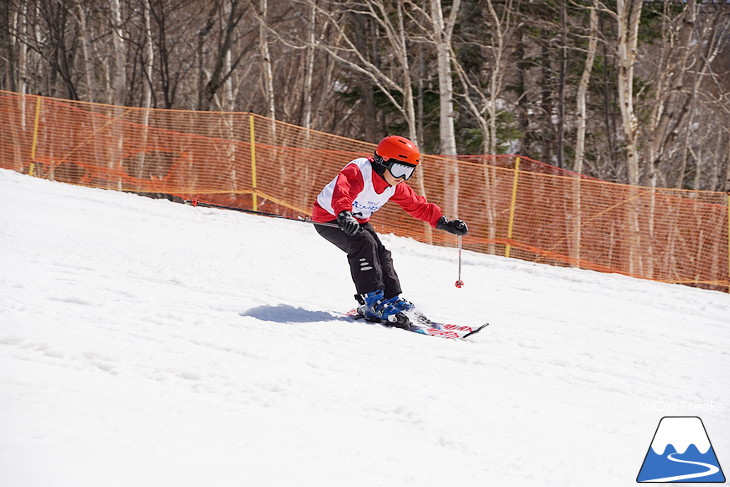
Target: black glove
348,223
457,227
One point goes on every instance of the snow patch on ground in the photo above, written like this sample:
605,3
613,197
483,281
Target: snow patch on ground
144,342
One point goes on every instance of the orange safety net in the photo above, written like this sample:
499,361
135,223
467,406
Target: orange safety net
514,206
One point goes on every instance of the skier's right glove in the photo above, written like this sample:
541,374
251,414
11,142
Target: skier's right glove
348,223
457,227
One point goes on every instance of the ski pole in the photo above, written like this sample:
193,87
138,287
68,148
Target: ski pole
195,202
459,283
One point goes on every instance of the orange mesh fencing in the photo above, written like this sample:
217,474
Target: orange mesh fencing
514,206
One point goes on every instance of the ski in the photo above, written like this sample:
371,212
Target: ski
476,330
447,330
424,326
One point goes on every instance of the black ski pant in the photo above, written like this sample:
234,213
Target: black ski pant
371,264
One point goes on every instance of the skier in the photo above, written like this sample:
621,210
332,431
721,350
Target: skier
362,187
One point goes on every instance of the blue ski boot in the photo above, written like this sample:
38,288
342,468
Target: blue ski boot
392,311
406,316
372,305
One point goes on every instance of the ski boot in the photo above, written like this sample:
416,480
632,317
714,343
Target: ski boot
394,311
373,306
407,316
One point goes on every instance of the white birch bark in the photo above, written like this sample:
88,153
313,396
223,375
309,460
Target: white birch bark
86,52
628,13
309,68
483,103
146,88
388,79
442,35
119,83
575,247
583,91
22,26
268,72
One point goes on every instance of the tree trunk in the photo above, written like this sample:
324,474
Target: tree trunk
309,66
201,55
86,52
580,136
119,84
147,85
609,114
629,12
562,83
267,68
442,33
22,83
668,105
583,91
119,79
402,54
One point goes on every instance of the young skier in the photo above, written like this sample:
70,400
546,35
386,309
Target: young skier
362,187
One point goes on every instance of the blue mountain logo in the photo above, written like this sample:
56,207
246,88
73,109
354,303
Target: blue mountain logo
681,452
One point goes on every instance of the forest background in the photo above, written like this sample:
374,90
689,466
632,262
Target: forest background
628,91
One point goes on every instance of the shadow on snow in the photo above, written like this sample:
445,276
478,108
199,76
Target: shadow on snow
284,313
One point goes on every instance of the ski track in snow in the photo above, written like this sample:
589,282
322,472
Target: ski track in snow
144,342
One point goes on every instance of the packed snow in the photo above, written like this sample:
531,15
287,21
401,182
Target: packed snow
149,343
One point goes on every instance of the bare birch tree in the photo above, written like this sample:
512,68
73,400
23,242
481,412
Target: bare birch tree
267,68
439,33
581,110
353,67
118,84
482,99
309,66
691,42
582,118
118,78
232,14
82,14
394,81
628,14
443,34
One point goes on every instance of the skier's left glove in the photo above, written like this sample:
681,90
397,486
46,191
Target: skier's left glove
348,223
457,227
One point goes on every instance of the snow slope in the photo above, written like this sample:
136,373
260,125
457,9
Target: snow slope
148,343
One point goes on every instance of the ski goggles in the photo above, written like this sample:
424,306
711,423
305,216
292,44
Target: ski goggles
401,170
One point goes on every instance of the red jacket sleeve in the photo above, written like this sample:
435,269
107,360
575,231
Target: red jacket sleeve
416,205
349,184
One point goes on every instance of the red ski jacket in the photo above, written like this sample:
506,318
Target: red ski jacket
349,183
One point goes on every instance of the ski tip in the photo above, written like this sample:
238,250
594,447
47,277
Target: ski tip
476,330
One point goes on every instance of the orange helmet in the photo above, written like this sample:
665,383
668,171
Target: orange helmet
398,148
